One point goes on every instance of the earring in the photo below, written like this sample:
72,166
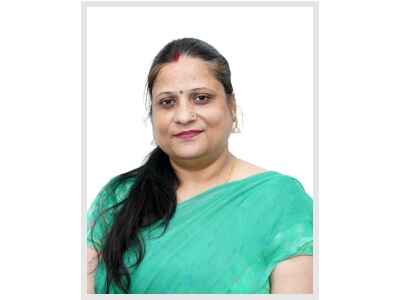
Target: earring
235,128
152,143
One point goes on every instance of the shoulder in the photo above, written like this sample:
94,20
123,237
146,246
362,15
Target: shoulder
245,169
114,191
120,186
274,192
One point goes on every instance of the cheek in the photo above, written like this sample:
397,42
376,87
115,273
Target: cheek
160,125
218,119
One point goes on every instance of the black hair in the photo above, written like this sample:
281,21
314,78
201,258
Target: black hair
152,197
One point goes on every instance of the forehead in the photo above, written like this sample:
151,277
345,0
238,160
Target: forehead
186,73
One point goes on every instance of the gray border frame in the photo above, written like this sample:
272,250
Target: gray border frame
314,5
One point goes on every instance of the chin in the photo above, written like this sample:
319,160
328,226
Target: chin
188,153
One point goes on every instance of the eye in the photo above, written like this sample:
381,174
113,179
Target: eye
167,102
203,98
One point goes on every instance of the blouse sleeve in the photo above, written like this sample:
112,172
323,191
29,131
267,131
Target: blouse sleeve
101,213
97,219
292,232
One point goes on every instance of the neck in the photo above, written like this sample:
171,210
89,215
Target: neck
203,171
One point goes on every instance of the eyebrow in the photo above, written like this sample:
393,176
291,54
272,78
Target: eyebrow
174,93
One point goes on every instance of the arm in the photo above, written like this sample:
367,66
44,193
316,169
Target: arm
91,268
293,276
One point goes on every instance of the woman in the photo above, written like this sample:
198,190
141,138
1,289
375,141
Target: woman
194,218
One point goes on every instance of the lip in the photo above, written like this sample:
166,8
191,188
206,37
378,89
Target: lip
188,134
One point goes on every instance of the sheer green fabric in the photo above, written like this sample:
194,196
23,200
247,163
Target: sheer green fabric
227,239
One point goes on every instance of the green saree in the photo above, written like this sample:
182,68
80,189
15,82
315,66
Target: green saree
227,239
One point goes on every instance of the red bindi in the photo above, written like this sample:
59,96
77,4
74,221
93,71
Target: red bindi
176,56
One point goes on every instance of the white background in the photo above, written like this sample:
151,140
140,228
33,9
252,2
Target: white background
272,76
40,149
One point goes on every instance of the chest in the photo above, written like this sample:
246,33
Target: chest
184,193
213,244
212,258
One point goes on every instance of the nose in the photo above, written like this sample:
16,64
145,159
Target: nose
183,113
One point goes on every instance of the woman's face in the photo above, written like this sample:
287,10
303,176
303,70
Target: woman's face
182,88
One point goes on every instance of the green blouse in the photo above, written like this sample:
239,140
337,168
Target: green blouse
227,239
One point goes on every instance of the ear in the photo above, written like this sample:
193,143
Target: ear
232,104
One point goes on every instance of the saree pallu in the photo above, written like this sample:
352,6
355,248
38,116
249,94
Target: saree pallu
227,239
